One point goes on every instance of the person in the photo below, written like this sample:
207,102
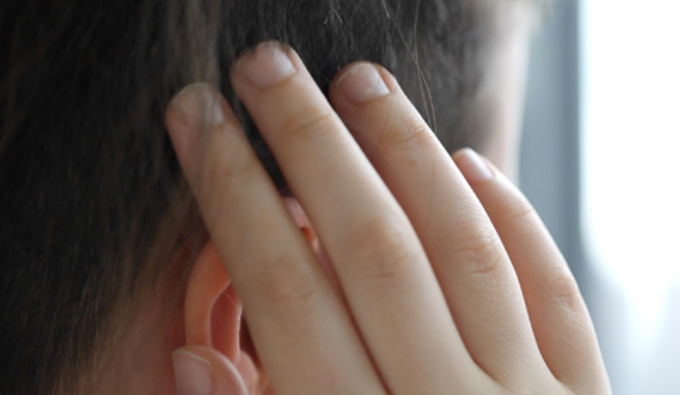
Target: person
300,228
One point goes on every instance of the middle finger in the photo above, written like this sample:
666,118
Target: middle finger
390,287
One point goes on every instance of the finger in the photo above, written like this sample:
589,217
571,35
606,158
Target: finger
390,287
303,335
203,370
470,262
559,316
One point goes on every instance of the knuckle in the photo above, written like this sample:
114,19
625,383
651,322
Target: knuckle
541,382
412,132
518,210
484,263
229,167
285,288
478,250
381,250
303,126
560,286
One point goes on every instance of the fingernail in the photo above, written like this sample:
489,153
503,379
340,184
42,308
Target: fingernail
193,374
200,104
472,166
362,83
266,65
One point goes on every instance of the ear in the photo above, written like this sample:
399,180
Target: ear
212,311
213,321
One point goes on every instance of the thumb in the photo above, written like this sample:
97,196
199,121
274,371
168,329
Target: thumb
201,370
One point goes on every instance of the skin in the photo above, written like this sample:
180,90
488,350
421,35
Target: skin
448,281
435,277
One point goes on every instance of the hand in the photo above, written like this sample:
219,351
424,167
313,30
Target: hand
449,282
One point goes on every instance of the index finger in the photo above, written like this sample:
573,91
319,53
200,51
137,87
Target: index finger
303,335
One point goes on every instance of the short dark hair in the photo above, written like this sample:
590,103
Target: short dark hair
90,189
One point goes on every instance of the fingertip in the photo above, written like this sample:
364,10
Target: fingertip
199,104
193,374
388,77
191,113
474,167
266,64
201,370
361,82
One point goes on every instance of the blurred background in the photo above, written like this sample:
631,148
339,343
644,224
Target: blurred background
601,163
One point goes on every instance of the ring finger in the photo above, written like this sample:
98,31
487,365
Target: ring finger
470,261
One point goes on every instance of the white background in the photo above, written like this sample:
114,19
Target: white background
630,171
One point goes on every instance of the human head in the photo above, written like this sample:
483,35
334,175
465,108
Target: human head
97,220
